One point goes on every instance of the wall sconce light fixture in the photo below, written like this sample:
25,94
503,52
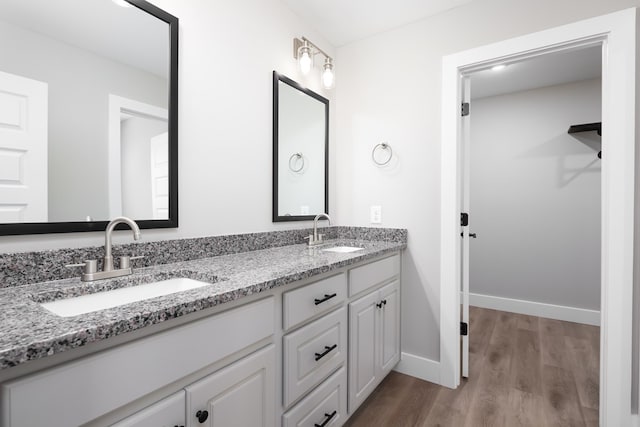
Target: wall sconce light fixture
304,50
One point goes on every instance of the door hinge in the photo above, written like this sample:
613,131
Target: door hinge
465,109
464,219
464,329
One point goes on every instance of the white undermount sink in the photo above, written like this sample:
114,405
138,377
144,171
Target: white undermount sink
342,249
108,299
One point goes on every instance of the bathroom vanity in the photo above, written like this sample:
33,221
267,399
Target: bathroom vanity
284,336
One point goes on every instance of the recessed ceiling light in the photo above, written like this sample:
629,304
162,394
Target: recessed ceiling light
122,3
498,67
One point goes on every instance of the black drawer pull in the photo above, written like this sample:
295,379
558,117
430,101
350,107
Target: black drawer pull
326,351
328,417
327,297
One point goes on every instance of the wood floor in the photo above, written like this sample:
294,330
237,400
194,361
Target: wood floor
524,371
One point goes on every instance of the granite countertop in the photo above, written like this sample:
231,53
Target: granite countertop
29,332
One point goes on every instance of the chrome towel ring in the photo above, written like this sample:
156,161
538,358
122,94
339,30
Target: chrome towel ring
383,146
297,156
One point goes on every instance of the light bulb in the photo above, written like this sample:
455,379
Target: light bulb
304,60
328,77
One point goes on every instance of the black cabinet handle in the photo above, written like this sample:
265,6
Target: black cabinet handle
202,416
326,351
379,305
327,418
384,302
327,297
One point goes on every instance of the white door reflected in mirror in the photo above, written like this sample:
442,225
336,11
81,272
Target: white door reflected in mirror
23,149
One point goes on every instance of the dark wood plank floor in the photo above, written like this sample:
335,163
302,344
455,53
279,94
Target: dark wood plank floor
524,371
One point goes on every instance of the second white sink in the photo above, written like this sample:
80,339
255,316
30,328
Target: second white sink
342,249
108,299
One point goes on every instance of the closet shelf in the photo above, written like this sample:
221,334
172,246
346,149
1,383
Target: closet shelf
587,127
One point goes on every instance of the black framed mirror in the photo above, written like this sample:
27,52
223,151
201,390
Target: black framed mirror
88,115
300,151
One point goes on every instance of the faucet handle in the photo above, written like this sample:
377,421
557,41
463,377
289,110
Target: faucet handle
125,261
90,266
310,238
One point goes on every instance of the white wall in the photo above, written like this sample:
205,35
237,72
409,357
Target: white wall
535,196
78,114
228,50
388,89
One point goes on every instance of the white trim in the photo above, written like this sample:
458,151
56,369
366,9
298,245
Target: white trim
419,367
540,309
118,105
616,32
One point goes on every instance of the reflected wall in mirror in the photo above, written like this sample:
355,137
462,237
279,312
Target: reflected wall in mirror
300,151
88,115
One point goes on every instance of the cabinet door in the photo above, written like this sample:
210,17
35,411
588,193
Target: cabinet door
239,395
389,327
362,348
168,412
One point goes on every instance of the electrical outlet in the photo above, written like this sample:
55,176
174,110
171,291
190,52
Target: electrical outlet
376,214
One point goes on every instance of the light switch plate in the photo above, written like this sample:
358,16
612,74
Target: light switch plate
376,214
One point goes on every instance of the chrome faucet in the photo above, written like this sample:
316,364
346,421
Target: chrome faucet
91,272
315,238
108,259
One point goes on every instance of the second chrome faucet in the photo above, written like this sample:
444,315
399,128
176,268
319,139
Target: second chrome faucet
315,238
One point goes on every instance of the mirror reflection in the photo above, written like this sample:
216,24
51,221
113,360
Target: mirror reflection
300,151
84,111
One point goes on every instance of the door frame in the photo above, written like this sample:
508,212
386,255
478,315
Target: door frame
118,105
616,33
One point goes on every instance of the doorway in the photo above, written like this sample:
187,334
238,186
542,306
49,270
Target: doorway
616,34
534,239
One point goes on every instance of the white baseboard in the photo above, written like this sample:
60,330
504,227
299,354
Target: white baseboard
419,367
550,311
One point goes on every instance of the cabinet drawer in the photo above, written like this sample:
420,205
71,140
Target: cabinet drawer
307,301
366,276
327,403
311,353
80,391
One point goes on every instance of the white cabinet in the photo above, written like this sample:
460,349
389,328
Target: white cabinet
374,340
85,389
301,304
239,395
312,352
325,406
389,327
168,412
